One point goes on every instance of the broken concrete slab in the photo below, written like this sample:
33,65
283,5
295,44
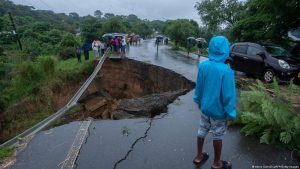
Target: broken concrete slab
150,105
95,103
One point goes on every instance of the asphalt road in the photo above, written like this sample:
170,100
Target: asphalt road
167,141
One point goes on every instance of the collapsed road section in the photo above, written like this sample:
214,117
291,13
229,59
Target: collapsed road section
130,89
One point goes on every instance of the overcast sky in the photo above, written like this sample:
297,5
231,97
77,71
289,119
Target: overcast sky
145,9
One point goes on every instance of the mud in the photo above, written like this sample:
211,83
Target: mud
131,89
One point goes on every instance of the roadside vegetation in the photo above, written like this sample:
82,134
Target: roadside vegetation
28,94
269,113
240,21
5,152
30,78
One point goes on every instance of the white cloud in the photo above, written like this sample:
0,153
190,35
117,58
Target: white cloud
145,9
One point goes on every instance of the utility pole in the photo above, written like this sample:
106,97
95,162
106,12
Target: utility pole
15,30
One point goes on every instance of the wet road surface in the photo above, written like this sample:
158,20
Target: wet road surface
166,141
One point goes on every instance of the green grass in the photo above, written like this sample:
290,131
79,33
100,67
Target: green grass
32,86
5,152
72,70
194,49
72,65
28,77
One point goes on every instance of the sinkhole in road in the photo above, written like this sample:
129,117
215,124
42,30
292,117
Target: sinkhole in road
131,89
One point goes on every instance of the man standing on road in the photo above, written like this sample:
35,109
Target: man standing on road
189,46
215,94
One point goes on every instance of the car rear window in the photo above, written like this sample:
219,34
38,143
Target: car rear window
240,49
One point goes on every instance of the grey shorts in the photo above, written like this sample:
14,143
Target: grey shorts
217,127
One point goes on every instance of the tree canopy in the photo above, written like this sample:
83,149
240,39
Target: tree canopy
180,29
98,14
267,20
251,20
216,13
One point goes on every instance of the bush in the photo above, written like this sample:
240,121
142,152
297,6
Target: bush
69,40
26,77
32,49
27,73
47,65
270,116
67,46
66,53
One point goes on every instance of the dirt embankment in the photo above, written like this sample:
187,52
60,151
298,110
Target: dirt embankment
35,107
123,89
130,89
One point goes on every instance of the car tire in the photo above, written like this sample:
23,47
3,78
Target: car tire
268,75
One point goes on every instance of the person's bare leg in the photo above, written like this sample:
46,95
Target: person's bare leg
218,150
200,142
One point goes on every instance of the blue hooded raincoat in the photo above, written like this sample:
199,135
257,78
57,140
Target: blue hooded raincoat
215,86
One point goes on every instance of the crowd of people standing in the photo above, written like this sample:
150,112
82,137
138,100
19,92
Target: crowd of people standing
117,44
97,46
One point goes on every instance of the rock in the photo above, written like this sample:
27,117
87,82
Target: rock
105,115
95,103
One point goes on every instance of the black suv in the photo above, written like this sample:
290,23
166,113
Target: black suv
263,60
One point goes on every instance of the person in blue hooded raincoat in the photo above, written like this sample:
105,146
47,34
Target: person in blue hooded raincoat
216,96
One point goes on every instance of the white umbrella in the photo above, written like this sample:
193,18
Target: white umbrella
294,34
201,40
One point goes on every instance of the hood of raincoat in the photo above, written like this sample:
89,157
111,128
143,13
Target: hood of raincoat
219,48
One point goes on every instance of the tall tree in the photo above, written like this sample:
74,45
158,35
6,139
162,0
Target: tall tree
268,20
108,15
180,29
115,24
90,29
142,29
216,13
132,18
74,15
98,14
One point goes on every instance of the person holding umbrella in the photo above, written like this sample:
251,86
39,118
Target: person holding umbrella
190,44
200,42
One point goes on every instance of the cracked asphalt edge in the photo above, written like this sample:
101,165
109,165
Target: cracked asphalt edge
133,144
140,138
